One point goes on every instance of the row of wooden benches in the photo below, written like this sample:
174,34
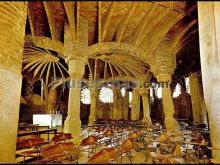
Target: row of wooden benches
32,138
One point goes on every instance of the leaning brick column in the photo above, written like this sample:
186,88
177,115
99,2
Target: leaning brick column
12,31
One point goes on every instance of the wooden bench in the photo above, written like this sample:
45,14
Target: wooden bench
58,152
46,131
32,127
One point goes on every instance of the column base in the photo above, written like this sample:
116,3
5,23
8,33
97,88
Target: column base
72,125
171,124
147,121
216,156
91,122
10,92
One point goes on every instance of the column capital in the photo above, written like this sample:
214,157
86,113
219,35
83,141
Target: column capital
164,77
143,92
194,75
76,69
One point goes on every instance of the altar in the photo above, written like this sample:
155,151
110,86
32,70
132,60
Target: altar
51,120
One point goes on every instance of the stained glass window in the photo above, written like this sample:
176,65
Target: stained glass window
177,90
85,96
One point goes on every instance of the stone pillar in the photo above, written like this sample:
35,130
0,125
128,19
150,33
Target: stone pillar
111,110
209,40
92,115
146,110
125,105
202,102
72,123
168,106
115,104
120,105
196,98
12,24
194,92
135,111
52,99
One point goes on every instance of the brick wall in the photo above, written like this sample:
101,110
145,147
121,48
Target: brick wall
12,21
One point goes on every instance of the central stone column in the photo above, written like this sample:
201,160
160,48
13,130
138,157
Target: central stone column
73,123
168,106
12,23
52,98
135,111
146,118
92,115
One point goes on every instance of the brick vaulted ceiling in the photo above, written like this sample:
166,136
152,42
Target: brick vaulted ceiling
148,25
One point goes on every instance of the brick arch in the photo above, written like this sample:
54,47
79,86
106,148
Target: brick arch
45,42
114,47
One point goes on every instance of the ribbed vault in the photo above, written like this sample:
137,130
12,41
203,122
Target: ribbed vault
138,31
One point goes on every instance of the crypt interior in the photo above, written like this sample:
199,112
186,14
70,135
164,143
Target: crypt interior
110,82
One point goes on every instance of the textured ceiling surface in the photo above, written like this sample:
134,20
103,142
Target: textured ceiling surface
152,26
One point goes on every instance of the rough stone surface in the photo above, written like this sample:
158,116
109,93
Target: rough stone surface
12,22
209,36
